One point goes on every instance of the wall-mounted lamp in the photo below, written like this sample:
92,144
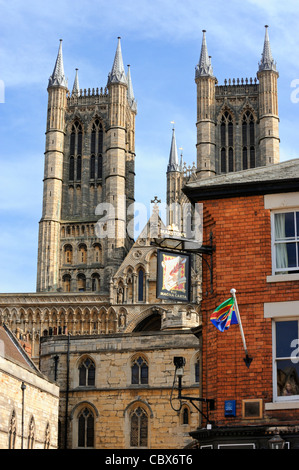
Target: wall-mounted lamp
276,442
179,363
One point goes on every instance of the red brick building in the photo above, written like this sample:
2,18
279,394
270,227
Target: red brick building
252,218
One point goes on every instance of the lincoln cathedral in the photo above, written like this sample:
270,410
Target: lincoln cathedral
95,327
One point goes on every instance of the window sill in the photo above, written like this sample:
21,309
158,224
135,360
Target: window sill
283,277
282,405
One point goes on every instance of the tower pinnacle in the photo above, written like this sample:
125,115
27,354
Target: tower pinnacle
267,62
117,74
76,89
130,94
173,164
204,67
58,78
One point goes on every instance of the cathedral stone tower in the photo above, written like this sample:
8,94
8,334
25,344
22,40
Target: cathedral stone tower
237,123
88,181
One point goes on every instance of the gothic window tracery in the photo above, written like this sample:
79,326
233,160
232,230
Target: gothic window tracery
76,143
227,155
138,428
86,373
96,150
248,141
31,433
12,431
86,428
139,371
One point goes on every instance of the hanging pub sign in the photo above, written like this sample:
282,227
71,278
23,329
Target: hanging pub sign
173,276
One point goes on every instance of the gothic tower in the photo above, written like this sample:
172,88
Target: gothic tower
237,123
205,82
88,181
174,184
268,106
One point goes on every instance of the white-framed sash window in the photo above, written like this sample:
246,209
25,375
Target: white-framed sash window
285,242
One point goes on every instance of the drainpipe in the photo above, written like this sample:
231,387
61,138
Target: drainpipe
67,391
23,388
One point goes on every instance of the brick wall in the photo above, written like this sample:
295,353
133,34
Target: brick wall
242,260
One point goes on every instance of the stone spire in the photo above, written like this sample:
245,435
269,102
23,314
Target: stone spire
173,164
130,94
58,78
76,89
117,74
204,67
267,62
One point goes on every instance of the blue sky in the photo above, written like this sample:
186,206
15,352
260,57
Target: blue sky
161,40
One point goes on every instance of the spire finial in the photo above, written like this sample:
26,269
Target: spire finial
76,89
267,62
58,78
117,74
130,94
173,164
204,67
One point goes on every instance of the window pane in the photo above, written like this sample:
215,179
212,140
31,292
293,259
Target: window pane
143,430
144,374
284,226
230,134
135,374
90,431
81,432
297,224
91,375
134,431
82,375
287,378
286,255
286,332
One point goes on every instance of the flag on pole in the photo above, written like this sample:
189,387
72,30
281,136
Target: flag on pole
225,315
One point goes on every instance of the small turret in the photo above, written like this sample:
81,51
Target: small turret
173,164
58,78
117,74
268,106
267,62
76,89
205,124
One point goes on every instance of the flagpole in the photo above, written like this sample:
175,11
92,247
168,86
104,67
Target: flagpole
247,358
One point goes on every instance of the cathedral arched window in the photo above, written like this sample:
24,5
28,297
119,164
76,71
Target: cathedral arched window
96,150
81,282
76,147
92,167
66,280
227,153
248,140
79,167
31,433
72,168
139,427
97,254
82,254
86,428
185,415
141,285
12,431
95,283
87,373
139,371
68,254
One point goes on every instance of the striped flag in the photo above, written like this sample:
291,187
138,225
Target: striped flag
224,315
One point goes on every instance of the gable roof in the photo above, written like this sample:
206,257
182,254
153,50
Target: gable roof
11,350
280,177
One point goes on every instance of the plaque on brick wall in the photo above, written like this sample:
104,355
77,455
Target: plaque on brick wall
173,276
